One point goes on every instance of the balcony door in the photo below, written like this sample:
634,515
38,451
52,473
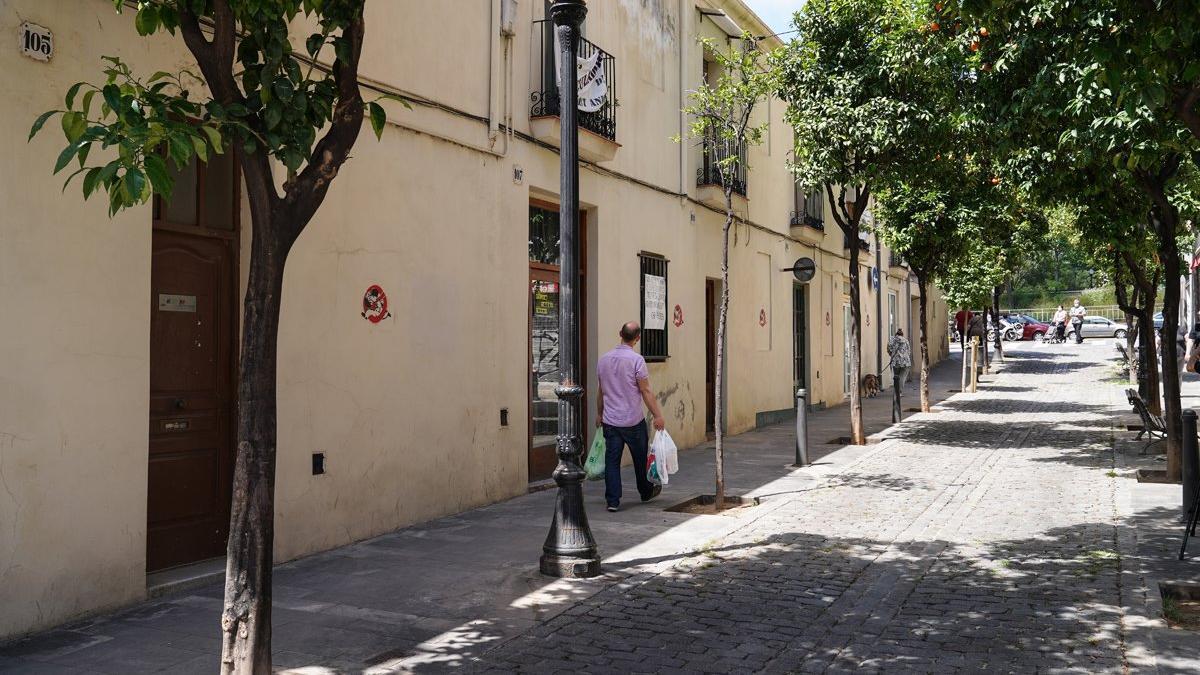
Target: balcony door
544,292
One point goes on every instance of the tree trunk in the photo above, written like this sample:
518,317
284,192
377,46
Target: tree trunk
1150,363
1164,219
857,435
246,619
719,380
1170,360
923,294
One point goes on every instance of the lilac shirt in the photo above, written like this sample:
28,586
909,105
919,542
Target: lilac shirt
619,371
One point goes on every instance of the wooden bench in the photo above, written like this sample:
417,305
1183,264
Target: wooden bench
1153,426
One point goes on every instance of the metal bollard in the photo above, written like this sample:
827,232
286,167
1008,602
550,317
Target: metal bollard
963,386
801,427
1191,463
975,364
895,396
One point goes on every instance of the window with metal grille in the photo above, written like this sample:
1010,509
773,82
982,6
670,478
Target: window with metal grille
654,306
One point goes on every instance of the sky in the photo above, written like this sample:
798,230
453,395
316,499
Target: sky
777,13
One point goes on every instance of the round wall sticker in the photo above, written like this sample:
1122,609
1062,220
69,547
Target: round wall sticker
375,305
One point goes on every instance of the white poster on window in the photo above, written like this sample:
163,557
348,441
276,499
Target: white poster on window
655,301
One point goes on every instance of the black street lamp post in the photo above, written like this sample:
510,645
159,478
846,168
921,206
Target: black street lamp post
570,550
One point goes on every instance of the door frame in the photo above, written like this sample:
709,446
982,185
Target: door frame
233,238
545,270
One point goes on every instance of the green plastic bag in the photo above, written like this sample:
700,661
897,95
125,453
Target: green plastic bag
594,466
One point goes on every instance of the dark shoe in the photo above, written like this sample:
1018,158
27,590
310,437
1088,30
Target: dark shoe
654,492
613,509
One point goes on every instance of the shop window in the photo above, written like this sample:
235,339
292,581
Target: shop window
654,306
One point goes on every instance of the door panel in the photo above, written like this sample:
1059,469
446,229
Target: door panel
191,420
799,337
710,354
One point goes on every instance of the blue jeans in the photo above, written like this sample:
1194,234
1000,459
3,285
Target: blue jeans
615,440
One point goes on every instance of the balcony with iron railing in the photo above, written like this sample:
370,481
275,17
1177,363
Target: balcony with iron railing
596,101
864,244
808,221
895,260
714,171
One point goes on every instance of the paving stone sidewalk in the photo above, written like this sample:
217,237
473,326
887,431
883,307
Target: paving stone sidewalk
983,537
994,534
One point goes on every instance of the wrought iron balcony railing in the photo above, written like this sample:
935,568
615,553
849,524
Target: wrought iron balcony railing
862,243
800,218
598,91
895,260
715,151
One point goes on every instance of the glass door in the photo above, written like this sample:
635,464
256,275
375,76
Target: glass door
543,372
543,313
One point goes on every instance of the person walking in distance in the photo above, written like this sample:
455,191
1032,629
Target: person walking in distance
962,319
1078,311
624,387
901,353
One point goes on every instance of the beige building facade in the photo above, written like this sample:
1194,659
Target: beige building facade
121,334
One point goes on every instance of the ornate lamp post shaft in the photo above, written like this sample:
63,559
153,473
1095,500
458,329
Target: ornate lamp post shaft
570,550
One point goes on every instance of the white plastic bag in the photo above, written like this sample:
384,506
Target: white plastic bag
665,454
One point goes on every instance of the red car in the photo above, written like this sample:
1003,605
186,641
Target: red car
1036,331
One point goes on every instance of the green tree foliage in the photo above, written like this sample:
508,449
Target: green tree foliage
1085,94
864,84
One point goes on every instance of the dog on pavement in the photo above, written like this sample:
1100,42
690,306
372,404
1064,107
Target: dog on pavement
870,386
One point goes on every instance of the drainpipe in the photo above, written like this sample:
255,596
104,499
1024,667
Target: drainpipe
493,72
683,142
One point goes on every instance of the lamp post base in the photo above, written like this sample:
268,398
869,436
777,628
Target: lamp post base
569,567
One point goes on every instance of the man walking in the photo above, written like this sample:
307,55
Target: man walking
1078,311
624,387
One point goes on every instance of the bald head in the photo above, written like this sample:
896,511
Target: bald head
630,332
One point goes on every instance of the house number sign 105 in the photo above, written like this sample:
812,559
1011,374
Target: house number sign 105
36,42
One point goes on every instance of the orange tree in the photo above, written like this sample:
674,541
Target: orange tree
864,87
1107,88
279,105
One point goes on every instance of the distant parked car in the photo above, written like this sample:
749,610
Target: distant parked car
1158,320
1098,326
1035,330
1032,328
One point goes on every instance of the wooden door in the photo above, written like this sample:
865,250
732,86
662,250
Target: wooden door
191,396
193,338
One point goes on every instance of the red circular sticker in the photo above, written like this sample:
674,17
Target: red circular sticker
678,318
762,317
375,307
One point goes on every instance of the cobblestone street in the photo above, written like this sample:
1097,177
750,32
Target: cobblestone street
1002,532
979,537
